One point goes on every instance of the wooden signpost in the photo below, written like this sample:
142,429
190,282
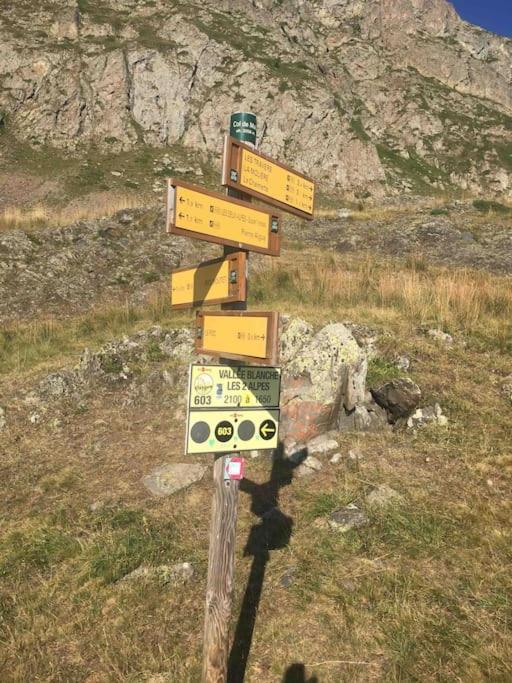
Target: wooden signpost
203,215
232,407
258,175
218,281
239,335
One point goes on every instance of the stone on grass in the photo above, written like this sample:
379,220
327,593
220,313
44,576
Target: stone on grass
176,573
167,479
3,418
308,466
364,418
320,445
399,397
346,518
506,387
288,577
382,496
430,414
402,363
440,336
336,458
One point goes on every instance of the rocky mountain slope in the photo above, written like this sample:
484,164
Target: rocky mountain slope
370,97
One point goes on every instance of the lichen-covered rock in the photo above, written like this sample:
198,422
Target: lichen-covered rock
316,378
168,479
346,518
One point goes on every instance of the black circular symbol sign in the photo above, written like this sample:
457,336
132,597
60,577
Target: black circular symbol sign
224,431
200,432
246,430
267,429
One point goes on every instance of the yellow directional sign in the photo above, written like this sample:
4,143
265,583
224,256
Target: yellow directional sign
268,180
238,335
232,431
213,282
233,386
200,214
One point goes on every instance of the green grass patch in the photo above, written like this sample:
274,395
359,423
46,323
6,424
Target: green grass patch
381,370
488,206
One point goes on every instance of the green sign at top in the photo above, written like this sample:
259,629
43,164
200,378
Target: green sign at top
243,127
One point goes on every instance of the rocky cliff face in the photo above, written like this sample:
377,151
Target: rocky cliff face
369,96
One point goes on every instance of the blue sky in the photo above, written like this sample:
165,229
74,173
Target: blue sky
494,15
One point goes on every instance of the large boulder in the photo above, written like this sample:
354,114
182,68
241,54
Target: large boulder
323,374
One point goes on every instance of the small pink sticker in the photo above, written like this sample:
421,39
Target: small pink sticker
235,468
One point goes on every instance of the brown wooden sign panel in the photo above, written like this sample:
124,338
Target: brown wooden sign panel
220,281
258,175
240,335
213,217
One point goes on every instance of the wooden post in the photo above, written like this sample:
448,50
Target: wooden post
221,557
221,568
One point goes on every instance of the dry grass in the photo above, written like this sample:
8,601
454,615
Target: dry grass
421,594
44,216
465,301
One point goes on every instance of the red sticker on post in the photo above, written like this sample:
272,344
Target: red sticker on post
234,470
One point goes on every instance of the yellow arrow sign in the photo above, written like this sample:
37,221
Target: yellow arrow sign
200,214
213,282
262,177
238,335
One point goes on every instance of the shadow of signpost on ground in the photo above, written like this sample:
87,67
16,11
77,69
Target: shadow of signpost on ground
296,673
272,532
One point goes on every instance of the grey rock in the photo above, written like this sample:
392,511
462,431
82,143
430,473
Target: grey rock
168,479
288,577
506,387
383,496
402,363
440,336
399,397
365,418
346,518
321,445
308,466
336,458
315,379
295,334
430,414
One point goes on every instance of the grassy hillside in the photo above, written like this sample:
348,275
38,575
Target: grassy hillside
422,593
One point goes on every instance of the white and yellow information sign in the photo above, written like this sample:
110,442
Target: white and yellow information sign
195,212
237,386
231,431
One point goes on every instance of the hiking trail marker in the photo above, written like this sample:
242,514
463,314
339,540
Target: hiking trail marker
239,335
218,281
270,181
232,407
204,215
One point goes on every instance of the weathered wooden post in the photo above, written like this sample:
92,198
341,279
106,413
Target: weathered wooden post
221,558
